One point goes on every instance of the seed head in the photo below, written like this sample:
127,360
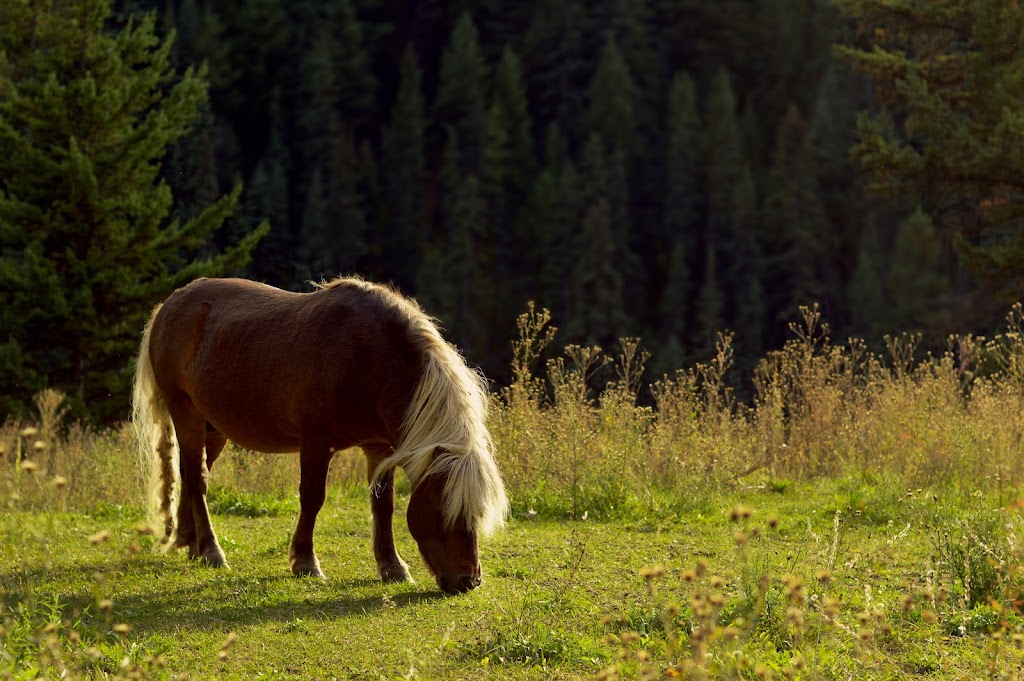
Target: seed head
106,605
60,482
824,576
689,575
40,445
29,466
717,582
99,537
122,629
29,432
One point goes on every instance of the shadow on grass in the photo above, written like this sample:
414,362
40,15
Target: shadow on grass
166,596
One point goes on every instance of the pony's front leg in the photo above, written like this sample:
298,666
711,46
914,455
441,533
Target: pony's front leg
314,462
390,565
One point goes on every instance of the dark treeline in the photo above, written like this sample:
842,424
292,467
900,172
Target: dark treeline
654,168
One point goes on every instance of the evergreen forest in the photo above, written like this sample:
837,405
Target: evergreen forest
661,169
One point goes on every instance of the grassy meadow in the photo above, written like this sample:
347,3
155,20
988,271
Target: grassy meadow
861,517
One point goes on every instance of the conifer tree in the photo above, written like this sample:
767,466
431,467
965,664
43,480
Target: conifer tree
266,198
460,100
611,112
86,117
866,294
950,77
722,153
401,240
799,239
709,318
916,283
746,268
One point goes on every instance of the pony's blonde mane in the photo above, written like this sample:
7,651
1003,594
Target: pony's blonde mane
445,425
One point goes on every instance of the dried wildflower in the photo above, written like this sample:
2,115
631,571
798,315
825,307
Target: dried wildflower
106,605
907,602
29,466
629,636
864,635
824,576
740,512
701,568
122,629
40,446
671,609
29,432
717,582
144,529
730,633
928,616
229,641
60,482
717,600
797,662
689,576
740,538
605,620
652,572
773,522
761,672
99,537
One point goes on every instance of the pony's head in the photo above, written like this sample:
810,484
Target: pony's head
449,549
445,450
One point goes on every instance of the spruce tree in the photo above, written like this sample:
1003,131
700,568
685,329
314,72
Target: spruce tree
86,116
950,78
916,283
460,103
400,241
798,236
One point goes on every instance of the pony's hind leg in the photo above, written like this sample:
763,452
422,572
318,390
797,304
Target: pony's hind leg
191,430
186,536
314,462
390,565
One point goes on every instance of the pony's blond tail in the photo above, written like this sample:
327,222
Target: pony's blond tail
156,443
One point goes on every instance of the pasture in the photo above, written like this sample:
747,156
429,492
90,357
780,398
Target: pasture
860,518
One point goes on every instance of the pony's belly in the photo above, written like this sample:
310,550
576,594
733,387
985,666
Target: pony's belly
260,439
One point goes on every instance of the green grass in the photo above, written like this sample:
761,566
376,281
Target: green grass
561,598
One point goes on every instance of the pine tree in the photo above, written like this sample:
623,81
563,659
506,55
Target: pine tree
746,269
709,317
612,95
950,77
400,242
598,315
86,117
799,239
915,283
460,103
866,294
266,198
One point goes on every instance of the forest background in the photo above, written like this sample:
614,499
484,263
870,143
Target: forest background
665,169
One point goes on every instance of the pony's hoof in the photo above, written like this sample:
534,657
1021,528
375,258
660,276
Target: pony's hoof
212,557
307,568
391,574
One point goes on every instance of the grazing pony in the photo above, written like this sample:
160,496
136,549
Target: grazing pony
348,364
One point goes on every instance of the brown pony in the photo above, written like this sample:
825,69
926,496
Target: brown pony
349,364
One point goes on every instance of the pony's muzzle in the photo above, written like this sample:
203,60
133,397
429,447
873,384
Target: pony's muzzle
458,584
